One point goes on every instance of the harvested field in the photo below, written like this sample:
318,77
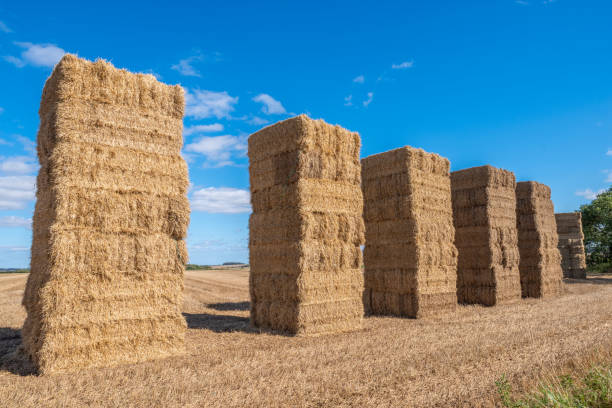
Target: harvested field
450,360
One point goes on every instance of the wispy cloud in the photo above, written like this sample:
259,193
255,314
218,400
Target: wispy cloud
13,221
522,2
609,176
257,121
27,144
202,104
218,150
39,55
589,194
609,152
369,100
190,130
18,165
348,101
359,80
4,28
403,65
16,191
224,200
270,105
185,66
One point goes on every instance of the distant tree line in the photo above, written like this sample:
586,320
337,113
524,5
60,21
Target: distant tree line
597,227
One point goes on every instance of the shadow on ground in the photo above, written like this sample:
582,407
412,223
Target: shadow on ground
218,323
593,280
11,357
230,306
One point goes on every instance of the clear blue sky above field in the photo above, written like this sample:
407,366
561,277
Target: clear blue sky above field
523,85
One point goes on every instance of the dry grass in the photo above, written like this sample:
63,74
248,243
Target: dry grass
451,360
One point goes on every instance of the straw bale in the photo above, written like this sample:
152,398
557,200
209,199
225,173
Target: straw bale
108,251
540,260
484,215
306,228
410,258
571,244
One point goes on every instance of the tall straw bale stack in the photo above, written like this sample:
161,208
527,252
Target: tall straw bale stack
111,214
410,256
484,214
306,228
571,245
540,261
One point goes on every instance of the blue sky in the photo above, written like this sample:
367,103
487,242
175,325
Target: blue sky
523,85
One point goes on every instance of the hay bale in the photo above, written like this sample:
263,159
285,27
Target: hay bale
571,245
540,261
108,254
306,228
410,256
484,215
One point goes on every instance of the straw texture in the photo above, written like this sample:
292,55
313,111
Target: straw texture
571,245
484,215
540,263
306,228
410,256
111,214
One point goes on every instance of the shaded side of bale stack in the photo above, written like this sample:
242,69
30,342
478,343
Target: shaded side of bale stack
484,215
306,228
571,245
540,261
410,256
108,253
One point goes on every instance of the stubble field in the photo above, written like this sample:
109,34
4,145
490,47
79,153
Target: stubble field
451,360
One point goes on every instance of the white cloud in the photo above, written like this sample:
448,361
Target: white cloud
359,80
609,152
218,150
522,2
4,28
185,67
609,178
202,104
221,200
257,121
28,145
190,130
348,101
270,105
589,194
369,100
39,55
18,164
5,143
16,191
403,65
13,221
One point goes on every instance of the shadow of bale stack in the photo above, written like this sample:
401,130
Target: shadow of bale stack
410,256
108,254
571,245
306,228
540,261
484,214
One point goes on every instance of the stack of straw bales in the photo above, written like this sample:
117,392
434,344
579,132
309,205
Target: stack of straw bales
484,213
571,245
108,253
540,263
410,257
306,228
